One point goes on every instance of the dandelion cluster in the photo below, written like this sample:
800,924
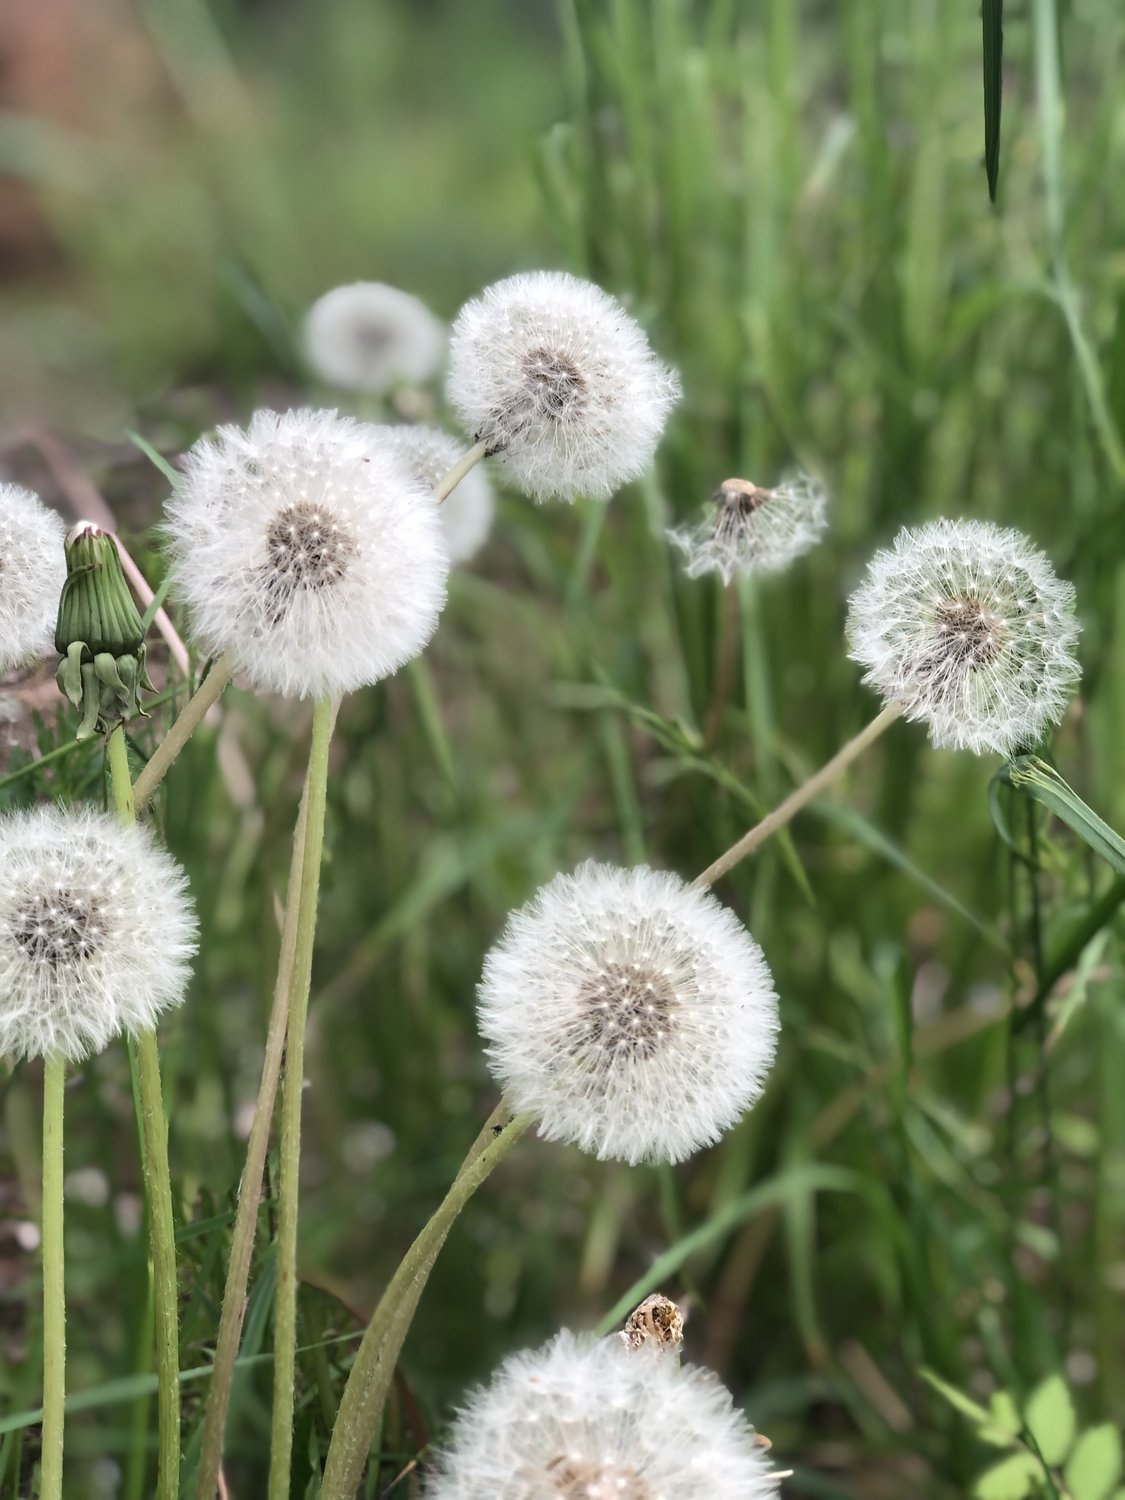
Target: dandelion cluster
371,337
559,382
746,529
577,1420
96,932
32,574
306,547
633,1015
466,514
968,628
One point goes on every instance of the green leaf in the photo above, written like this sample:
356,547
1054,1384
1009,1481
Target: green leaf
1004,1421
957,1399
1030,774
1011,1479
992,25
157,460
1050,1417
1095,1465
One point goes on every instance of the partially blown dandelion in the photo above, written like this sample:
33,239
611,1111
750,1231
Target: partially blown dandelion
596,1421
96,932
633,1015
466,514
307,549
966,626
747,529
554,377
371,337
32,574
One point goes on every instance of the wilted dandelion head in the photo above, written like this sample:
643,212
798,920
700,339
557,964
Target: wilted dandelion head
747,529
305,546
371,337
633,1015
578,1420
967,626
560,383
32,574
96,932
466,514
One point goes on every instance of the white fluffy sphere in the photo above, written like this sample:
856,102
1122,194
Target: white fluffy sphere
466,514
967,626
370,337
306,547
96,932
560,383
751,530
32,574
632,1014
577,1420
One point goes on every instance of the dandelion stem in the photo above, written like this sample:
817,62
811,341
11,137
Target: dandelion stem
285,1305
374,1365
54,1297
803,795
208,692
446,485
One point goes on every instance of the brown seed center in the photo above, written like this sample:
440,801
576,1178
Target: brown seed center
596,1479
58,927
308,549
556,383
627,1012
971,633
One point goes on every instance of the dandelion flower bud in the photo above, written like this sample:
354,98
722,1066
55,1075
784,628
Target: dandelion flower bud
307,549
967,627
577,1420
560,383
371,337
96,932
634,1015
751,530
32,574
466,514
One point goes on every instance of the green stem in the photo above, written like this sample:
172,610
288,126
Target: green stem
374,1365
208,692
54,1297
445,486
285,1305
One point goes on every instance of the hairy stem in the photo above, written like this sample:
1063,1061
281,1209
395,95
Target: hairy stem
54,1297
209,691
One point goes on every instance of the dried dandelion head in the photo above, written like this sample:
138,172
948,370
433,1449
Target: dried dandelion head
747,529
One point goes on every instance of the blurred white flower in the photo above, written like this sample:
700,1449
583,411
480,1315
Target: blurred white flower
370,337
305,546
751,530
633,1015
967,626
96,932
577,1420
466,514
32,574
555,377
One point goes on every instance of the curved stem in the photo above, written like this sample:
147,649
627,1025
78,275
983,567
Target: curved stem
374,1365
285,1305
446,485
208,692
803,795
54,1297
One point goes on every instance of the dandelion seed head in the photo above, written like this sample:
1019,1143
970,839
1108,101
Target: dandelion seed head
32,574
560,383
466,514
967,626
747,529
371,337
633,1015
304,545
96,932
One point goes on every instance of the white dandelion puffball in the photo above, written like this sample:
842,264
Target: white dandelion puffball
559,382
747,529
633,1015
577,1420
371,337
305,547
967,627
32,574
466,514
96,932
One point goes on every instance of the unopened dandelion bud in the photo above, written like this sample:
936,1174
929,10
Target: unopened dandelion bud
747,529
32,574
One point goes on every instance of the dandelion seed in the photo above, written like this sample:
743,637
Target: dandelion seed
466,514
96,932
633,1015
560,383
967,626
305,547
751,530
32,574
578,1420
371,337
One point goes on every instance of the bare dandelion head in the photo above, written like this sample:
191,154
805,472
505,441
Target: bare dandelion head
968,628
747,529
32,575
371,337
466,514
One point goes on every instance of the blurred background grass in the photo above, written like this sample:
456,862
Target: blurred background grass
792,198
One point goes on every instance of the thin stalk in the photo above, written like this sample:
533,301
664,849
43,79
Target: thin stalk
445,486
285,1304
725,654
803,795
374,1365
54,1297
209,691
